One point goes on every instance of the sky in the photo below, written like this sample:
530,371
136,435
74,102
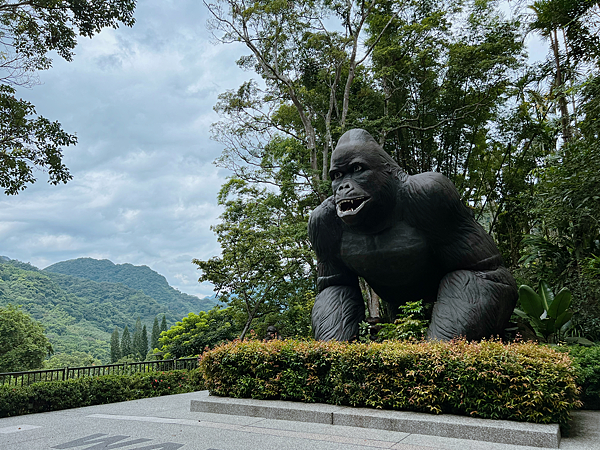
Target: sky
144,184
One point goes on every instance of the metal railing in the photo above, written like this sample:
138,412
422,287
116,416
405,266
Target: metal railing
66,373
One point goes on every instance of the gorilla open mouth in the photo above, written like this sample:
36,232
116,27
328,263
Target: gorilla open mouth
351,206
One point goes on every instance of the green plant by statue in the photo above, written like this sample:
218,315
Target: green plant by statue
547,316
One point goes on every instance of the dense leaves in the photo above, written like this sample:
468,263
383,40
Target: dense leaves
79,314
29,31
443,86
27,141
265,262
196,332
87,391
23,345
519,381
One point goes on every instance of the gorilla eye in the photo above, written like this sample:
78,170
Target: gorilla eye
358,168
337,175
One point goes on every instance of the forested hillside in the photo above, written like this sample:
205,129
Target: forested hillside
140,278
80,314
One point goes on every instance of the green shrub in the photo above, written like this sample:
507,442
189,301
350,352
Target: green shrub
87,391
587,360
517,381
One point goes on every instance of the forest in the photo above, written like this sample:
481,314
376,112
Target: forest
79,314
447,86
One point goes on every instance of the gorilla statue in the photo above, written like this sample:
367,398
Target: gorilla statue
410,238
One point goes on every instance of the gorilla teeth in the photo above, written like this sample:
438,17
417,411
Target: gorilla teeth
351,205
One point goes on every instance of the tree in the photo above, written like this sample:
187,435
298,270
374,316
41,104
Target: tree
126,346
75,359
27,141
144,343
163,324
155,334
264,262
301,62
427,78
137,340
197,331
29,32
115,347
23,345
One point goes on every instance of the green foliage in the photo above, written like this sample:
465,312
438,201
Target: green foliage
587,360
139,343
78,314
518,381
144,342
198,331
87,391
410,324
265,260
30,31
28,141
23,345
126,344
566,232
75,359
155,334
115,346
138,278
549,316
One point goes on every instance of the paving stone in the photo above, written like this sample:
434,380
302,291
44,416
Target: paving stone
445,425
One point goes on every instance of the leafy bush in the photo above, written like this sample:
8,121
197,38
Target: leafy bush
587,360
410,324
194,333
517,381
87,391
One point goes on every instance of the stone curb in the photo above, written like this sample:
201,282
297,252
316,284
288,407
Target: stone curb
445,425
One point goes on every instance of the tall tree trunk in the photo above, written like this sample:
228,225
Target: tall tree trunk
372,299
558,84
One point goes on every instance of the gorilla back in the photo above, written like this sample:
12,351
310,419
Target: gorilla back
410,238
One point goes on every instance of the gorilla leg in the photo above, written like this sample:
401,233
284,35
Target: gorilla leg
473,304
337,312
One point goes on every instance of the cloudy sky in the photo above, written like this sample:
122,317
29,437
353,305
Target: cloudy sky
144,187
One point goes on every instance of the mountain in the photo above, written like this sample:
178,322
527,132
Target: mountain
140,278
79,314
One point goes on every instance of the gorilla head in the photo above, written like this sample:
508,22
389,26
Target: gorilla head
364,180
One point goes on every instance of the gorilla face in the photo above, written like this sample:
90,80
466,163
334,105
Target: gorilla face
363,184
349,173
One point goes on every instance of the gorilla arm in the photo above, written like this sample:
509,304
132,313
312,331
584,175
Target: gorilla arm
477,294
339,306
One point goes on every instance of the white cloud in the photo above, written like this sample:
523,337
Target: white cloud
144,189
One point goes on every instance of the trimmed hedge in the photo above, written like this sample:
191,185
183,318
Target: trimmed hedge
87,391
489,379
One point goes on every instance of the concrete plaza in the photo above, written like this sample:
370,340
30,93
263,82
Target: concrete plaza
167,423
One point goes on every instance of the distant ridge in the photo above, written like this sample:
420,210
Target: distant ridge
79,313
140,278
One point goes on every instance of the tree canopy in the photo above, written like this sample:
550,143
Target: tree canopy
23,345
195,332
443,86
29,32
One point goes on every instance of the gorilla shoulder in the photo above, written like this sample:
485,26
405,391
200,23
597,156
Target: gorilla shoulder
432,197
